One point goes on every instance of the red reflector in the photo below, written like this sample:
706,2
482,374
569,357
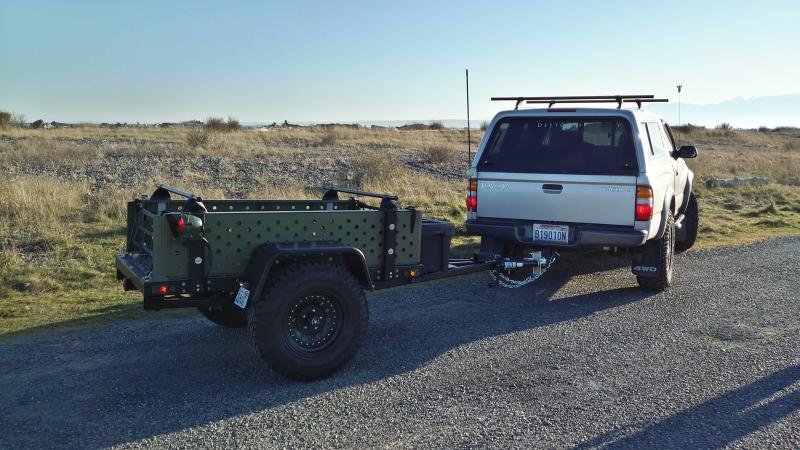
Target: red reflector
180,225
163,289
644,212
472,203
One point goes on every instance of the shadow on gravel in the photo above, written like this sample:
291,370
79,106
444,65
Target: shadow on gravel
136,378
717,422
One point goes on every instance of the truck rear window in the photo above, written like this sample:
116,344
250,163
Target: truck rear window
582,146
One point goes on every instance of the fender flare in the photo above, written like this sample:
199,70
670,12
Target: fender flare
663,224
265,256
687,190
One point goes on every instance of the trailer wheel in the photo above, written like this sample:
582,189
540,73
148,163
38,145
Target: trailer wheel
666,248
224,313
310,321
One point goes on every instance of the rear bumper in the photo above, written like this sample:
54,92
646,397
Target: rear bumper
135,275
580,235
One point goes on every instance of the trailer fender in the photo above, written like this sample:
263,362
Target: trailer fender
264,258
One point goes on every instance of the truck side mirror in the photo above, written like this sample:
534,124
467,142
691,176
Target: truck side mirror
687,151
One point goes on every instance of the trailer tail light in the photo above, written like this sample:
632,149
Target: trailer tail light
177,224
472,199
644,203
163,289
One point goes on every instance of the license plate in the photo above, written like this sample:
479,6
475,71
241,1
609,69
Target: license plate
241,297
557,234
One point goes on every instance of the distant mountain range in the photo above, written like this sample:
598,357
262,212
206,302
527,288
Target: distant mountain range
774,111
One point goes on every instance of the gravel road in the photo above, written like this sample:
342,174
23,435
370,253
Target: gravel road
579,360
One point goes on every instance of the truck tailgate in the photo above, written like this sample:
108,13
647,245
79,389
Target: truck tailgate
595,199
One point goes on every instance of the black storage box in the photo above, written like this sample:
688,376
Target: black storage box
435,245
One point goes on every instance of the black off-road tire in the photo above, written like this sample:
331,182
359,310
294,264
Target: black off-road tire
310,321
691,221
666,257
225,313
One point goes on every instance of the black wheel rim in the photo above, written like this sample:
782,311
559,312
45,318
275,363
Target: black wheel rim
314,321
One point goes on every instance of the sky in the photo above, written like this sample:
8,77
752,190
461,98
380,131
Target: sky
153,61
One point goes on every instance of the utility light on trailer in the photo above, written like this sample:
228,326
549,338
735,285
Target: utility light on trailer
177,224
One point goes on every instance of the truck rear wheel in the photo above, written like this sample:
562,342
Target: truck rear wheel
310,321
666,258
691,221
224,313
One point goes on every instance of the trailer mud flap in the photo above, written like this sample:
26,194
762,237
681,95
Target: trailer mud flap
647,263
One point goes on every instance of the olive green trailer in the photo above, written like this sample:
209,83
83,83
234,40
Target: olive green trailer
293,271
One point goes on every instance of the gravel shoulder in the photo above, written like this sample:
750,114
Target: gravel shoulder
582,359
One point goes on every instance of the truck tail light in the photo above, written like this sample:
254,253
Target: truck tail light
644,203
177,224
472,196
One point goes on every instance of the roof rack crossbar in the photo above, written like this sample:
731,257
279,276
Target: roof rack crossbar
583,99
619,102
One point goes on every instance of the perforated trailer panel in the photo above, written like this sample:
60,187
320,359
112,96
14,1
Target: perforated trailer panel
233,236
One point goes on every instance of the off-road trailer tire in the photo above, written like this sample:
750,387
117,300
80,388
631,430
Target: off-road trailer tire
691,221
225,313
666,258
310,320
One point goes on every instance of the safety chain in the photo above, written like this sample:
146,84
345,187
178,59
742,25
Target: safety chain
505,281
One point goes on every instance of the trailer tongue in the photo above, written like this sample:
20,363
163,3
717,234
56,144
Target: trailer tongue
293,271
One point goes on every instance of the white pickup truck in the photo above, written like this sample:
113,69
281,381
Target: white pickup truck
561,178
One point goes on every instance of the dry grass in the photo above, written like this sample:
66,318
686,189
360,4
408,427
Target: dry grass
740,153
39,150
35,207
58,237
197,137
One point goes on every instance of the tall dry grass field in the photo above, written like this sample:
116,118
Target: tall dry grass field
63,193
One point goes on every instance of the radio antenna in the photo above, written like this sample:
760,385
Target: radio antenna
469,137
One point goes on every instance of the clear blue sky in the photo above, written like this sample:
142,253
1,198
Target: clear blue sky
375,60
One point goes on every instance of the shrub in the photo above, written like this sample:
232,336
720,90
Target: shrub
8,120
435,125
233,124
198,137
484,125
437,154
784,129
216,124
724,126
219,124
413,127
764,129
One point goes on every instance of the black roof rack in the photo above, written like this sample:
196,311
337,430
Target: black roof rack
618,99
